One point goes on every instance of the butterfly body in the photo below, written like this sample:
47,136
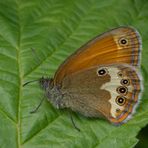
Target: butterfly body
101,79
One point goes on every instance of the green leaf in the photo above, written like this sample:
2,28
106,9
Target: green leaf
55,29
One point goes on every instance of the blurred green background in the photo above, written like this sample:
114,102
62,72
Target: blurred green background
143,138
55,29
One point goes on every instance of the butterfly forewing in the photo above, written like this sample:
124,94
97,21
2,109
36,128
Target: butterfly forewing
120,45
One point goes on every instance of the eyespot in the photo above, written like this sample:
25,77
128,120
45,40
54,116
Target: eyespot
125,82
117,110
122,90
102,72
120,100
123,41
120,74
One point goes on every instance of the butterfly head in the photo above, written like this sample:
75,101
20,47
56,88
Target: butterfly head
46,83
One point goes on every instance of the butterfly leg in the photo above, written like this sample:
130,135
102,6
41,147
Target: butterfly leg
73,123
35,110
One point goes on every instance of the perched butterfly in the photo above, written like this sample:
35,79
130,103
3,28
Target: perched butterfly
101,79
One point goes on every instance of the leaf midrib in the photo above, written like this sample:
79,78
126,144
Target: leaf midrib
20,74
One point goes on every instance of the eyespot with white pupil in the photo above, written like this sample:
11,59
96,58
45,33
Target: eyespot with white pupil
122,90
125,82
123,41
102,72
120,100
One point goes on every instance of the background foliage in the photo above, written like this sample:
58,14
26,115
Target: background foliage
55,29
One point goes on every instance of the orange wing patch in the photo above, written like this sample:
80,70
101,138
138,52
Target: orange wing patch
121,45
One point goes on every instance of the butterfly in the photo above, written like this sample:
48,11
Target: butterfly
101,79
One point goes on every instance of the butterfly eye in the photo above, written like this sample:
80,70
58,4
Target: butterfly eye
102,72
122,90
120,100
123,41
125,82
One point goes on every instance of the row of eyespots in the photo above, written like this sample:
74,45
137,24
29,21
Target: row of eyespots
122,90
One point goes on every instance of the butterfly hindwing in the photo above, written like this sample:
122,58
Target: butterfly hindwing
109,91
125,88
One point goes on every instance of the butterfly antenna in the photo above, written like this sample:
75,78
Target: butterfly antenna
30,82
73,123
36,109
38,60
35,55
